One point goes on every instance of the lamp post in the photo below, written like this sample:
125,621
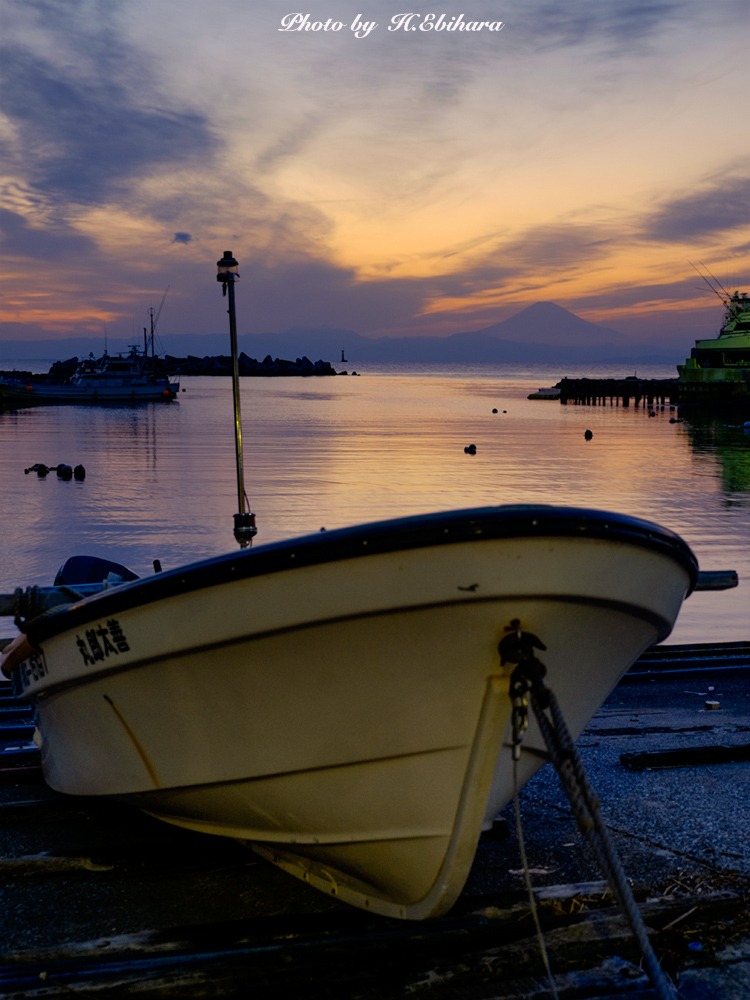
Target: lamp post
244,520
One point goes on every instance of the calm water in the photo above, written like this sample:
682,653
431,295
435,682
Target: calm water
329,452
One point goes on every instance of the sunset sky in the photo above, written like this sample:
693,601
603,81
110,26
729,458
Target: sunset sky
591,152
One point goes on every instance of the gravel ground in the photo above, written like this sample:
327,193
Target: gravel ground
75,870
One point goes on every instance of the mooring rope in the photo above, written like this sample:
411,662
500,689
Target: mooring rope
527,880
527,682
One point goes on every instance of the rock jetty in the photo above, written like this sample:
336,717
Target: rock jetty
222,365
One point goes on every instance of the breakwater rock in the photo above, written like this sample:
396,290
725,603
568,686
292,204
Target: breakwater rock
222,365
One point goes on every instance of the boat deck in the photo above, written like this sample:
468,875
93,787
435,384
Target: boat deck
100,899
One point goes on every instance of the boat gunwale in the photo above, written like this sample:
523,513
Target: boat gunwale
661,625
377,538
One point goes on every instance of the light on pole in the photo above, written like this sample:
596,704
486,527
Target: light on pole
244,520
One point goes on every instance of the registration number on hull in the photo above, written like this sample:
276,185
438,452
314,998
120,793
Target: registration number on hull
31,671
101,642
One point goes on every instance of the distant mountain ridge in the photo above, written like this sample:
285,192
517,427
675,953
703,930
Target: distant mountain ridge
543,331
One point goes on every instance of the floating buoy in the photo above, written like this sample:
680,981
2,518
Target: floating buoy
470,449
494,409
63,471
588,435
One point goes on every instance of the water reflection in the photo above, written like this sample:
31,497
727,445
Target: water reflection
729,445
330,452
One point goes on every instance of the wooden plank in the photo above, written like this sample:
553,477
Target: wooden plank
714,753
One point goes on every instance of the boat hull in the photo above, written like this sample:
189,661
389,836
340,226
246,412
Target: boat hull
717,388
342,707
716,376
36,394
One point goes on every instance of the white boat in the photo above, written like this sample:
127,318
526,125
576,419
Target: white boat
339,701
130,377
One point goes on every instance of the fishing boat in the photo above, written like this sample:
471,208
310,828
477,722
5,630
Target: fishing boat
345,703
717,373
130,377
341,701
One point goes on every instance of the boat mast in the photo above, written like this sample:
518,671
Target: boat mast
150,341
244,519
154,315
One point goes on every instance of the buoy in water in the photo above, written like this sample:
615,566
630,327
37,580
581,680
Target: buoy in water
79,473
588,435
64,471
470,449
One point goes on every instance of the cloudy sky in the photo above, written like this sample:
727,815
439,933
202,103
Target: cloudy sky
413,180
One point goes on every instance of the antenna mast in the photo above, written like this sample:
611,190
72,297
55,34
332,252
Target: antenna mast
717,288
